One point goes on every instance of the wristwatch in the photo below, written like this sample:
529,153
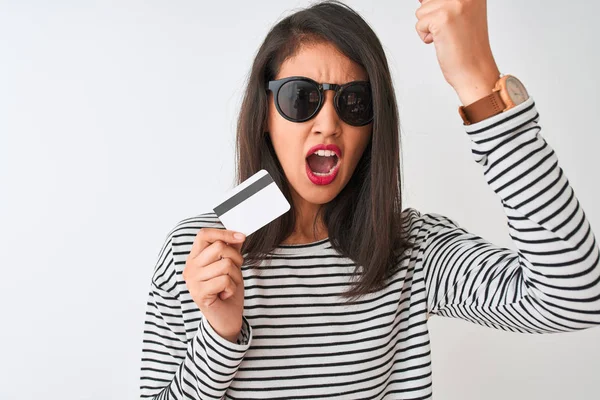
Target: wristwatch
508,93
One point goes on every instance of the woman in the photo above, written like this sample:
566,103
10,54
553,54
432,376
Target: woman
332,299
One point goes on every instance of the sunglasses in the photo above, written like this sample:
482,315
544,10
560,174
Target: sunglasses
298,99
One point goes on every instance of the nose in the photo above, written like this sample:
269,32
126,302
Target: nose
327,120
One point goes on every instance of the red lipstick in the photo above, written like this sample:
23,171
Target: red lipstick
324,179
331,147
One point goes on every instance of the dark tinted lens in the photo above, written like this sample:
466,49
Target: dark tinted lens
355,104
298,99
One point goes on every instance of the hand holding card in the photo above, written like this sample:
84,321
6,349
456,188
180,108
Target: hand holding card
213,276
252,204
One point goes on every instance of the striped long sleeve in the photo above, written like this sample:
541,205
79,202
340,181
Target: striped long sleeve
552,282
307,343
183,358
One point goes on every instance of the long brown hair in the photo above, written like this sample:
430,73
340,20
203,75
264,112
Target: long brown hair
364,220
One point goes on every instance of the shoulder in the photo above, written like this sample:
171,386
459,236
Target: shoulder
176,247
184,231
421,226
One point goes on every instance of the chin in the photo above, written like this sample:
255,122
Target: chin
321,195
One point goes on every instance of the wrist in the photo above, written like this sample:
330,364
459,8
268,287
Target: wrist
228,336
477,87
232,339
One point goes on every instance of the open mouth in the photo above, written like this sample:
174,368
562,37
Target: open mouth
323,162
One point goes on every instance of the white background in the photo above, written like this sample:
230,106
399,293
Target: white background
117,120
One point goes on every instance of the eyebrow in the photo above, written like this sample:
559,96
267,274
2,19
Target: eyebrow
318,81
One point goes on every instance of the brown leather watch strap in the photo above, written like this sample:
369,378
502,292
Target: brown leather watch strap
482,108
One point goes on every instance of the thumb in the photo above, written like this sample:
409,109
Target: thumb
237,246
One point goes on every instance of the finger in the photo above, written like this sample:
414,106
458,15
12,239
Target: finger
221,267
206,236
209,291
422,28
237,246
224,296
212,254
429,8
217,251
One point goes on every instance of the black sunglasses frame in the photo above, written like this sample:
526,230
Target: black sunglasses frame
275,85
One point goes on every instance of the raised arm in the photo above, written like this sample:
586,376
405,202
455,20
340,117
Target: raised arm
552,282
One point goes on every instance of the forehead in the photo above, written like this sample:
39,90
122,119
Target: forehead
322,62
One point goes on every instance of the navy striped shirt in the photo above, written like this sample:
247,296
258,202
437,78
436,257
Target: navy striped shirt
300,341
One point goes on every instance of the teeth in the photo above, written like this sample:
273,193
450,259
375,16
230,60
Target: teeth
325,153
320,174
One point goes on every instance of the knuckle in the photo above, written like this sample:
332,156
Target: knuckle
232,270
224,280
419,25
230,263
220,245
230,283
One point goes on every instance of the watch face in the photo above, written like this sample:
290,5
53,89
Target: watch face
516,90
